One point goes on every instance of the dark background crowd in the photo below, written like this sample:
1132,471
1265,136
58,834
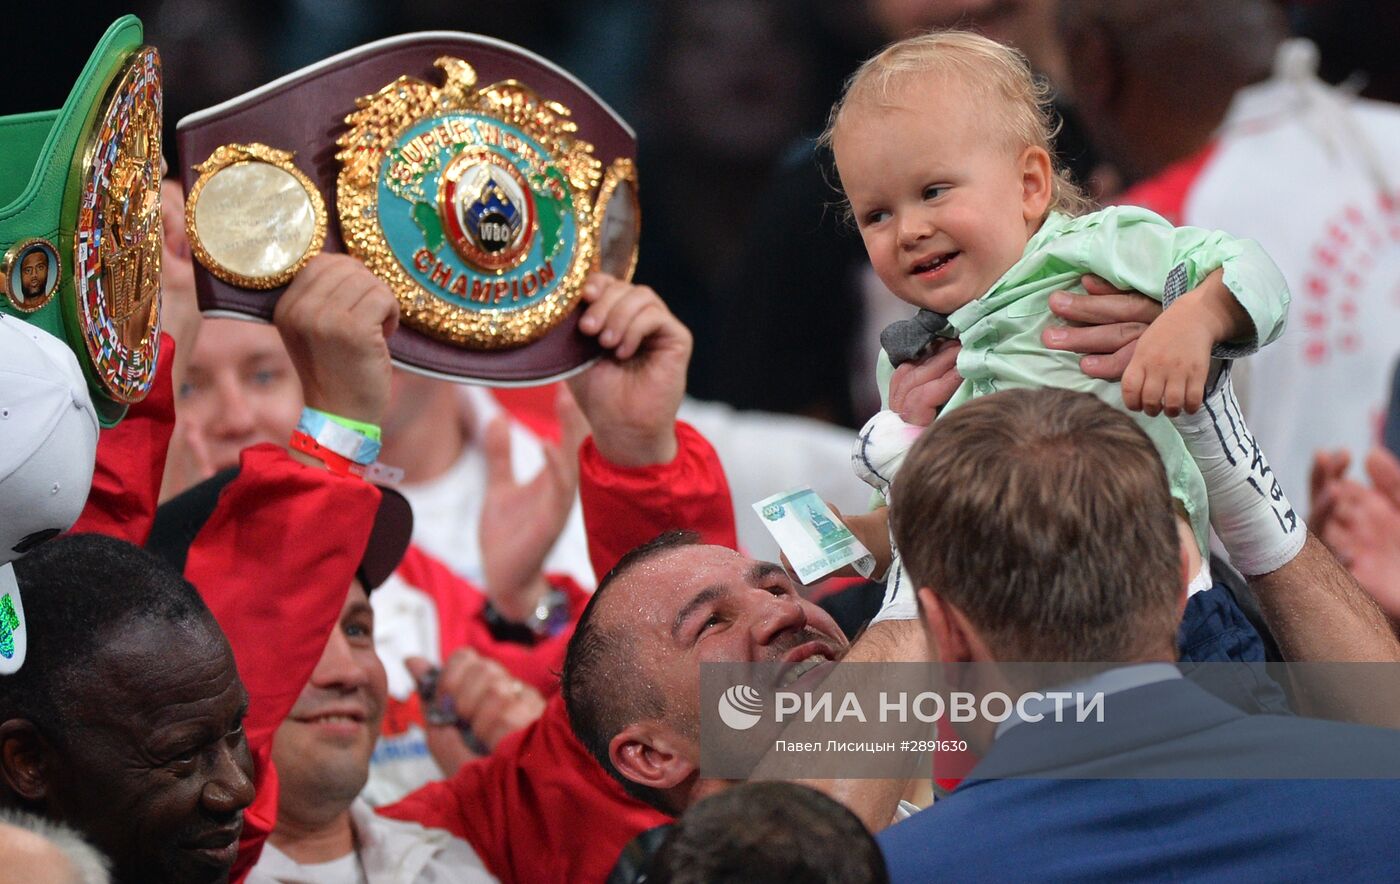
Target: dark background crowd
726,97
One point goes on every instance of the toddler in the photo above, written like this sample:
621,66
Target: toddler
942,148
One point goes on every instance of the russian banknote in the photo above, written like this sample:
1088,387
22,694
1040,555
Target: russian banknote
814,540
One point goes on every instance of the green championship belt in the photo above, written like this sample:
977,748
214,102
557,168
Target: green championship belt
80,224
481,182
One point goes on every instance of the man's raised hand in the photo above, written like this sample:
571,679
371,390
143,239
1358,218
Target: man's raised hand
335,319
630,396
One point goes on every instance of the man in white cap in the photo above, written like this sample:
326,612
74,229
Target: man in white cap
48,443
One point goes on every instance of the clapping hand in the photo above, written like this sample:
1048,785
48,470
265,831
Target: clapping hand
521,522
1360,524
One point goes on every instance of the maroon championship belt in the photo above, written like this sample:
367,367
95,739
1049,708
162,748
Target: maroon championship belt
481,182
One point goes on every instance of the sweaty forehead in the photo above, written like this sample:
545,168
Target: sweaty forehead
653,590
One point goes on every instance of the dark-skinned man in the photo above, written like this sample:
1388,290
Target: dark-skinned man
126,722
1208,107
277,618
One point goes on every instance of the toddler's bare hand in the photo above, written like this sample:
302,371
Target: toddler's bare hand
1168,371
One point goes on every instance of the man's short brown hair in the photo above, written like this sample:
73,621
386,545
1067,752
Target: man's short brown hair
1045,517
604,690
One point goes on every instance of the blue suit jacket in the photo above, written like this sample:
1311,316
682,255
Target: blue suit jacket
1162,825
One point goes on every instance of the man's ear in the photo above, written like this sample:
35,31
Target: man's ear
1037,183
650,755
946,627
23,759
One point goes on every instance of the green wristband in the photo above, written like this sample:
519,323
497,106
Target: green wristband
369,431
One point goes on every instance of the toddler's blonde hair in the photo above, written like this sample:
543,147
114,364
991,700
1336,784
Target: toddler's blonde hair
990,70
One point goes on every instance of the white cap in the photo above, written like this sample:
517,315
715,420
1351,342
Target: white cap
48,446
48,436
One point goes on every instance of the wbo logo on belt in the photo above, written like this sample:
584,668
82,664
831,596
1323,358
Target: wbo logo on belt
473,204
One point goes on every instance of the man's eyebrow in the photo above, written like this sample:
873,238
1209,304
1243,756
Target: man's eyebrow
762,571
702,598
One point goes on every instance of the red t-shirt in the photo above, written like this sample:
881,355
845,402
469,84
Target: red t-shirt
540,808
262,563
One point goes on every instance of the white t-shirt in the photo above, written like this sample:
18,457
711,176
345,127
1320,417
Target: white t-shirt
447,510
274,865
405,625
387,852
764,453
1313,175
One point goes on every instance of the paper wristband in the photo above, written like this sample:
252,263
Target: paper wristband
349,444
365,429
337,464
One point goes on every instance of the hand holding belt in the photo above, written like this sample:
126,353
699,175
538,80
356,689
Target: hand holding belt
479,181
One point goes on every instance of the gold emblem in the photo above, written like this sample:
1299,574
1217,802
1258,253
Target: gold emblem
130,252
253,218
116,251
475,205
618,218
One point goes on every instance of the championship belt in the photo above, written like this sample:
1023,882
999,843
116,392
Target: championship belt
481,182
80,225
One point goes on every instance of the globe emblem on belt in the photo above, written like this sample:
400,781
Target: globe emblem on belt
488,210
479,206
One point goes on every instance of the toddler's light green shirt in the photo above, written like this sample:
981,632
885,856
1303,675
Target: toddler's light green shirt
1133,249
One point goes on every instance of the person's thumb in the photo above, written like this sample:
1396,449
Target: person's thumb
418,667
